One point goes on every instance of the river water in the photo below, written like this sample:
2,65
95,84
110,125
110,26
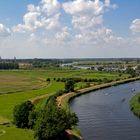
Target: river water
105,114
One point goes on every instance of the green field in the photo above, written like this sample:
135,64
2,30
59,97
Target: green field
13,133
18,86
135,104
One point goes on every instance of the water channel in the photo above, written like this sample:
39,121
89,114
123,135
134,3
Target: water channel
105,114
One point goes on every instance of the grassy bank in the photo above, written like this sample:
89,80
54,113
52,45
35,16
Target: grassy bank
135,104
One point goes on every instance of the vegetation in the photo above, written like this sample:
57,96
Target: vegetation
52,123
131,71
32,85
21,114
69,86
49,122
8,65
13,133
135,104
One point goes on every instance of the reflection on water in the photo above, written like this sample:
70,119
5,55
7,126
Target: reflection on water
105,114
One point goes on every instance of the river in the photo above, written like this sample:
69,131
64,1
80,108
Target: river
105,114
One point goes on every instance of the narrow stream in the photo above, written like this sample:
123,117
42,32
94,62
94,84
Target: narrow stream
105,114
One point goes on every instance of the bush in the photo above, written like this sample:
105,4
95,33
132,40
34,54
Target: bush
52,123
48,79
69,86
32,118
139,99
58,80
21,114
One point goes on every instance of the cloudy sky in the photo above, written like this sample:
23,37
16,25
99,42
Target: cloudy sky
69,28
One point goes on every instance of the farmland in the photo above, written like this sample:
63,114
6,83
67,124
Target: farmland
17,86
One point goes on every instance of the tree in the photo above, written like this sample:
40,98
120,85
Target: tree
21,114
139,99
52,123
69,86
32,118
131,71
48,79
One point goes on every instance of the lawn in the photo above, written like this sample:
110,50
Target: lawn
13,133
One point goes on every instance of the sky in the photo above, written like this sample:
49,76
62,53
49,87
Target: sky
69,28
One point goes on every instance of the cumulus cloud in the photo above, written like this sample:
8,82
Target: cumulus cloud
46,15
86,13
4,31
135,26
50,7
63,35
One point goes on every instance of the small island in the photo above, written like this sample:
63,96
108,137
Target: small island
135,104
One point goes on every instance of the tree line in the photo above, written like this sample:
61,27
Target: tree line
9,65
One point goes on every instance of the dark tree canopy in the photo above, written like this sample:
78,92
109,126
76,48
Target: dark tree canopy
21,114
9,65
69,86
53,122
131,71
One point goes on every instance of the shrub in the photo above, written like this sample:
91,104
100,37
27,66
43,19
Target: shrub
48,79
21,114
52,123
32,119
69,86
139,99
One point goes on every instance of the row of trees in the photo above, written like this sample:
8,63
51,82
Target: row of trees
9,65
104,80
48,123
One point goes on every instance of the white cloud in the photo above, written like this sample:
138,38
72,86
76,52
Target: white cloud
79,7
50,7
135,26
52,22
86,21
63,35
46,15
86,14
4,31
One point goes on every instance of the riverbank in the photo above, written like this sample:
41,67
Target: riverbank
64,100
135,104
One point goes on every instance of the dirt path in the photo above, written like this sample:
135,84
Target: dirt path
62,97
4,121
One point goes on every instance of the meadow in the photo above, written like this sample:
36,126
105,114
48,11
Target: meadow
17,86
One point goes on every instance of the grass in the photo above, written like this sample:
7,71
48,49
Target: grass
13,81
17,86
135,104
13,133
8,101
